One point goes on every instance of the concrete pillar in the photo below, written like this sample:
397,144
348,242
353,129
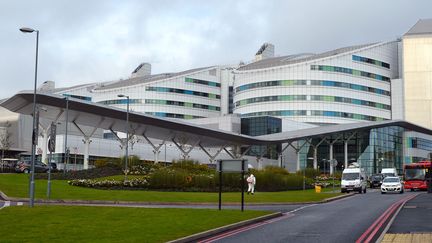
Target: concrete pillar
315,158
156,155
331,158
86,142
298,160
45,146
345,154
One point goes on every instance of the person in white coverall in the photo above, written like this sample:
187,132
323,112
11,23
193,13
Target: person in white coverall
251,184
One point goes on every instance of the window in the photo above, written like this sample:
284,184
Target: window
370,61
350,71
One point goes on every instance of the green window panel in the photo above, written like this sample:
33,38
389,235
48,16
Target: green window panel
356,72
329,98
287,82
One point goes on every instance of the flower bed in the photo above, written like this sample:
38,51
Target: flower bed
133,183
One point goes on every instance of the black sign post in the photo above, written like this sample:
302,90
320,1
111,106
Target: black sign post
220,184
239,165
242,185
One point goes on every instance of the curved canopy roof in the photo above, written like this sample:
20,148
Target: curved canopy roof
108,117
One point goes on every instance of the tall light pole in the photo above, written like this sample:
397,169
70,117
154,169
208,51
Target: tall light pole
66,149
35,126
127,133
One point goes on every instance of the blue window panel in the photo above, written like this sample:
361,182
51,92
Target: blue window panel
189,92
160,114
328,83
328,113
357,102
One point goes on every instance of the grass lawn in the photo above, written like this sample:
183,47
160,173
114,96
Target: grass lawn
16,185
110,224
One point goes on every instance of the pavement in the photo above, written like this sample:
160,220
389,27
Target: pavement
413,223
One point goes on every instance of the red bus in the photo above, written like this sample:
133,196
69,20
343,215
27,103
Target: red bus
415,175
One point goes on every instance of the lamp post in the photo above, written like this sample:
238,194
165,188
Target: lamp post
35,126
66,149
127,133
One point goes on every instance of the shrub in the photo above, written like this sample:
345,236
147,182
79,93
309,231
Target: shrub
82,174
267,181
309,172
276,170
191,166
108,162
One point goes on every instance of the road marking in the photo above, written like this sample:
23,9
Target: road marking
300,208
286,215
376,225
6,204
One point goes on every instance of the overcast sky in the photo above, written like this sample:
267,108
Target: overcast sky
84,41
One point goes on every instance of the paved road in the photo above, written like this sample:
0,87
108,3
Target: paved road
343,220
415,216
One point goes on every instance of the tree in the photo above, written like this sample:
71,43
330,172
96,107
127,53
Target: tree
5,138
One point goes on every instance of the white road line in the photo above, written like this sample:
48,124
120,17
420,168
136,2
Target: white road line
300,208
6,204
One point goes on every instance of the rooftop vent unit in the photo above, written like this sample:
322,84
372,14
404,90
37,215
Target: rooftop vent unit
265,51
144,69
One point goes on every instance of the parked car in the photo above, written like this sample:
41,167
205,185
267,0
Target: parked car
375,180
25,167
392,184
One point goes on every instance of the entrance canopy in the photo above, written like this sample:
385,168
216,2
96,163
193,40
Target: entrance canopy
112,118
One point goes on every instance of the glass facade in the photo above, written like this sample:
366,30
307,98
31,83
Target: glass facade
181,103
373,150
350,71
78,97
183,91
370,61
312,97
120,102
419,143
277,113
256,126
203,82
173,115
325,83
314,113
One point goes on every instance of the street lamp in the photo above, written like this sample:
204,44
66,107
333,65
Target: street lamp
127,133
35,126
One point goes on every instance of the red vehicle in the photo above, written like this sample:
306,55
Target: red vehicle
415,175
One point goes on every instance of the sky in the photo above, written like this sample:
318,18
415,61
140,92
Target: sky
86,41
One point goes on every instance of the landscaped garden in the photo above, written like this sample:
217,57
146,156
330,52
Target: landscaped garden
110,224
181,182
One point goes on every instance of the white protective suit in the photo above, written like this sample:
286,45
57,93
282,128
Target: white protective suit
251,180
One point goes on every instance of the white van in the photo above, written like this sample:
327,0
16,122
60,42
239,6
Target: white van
353,179
389,172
